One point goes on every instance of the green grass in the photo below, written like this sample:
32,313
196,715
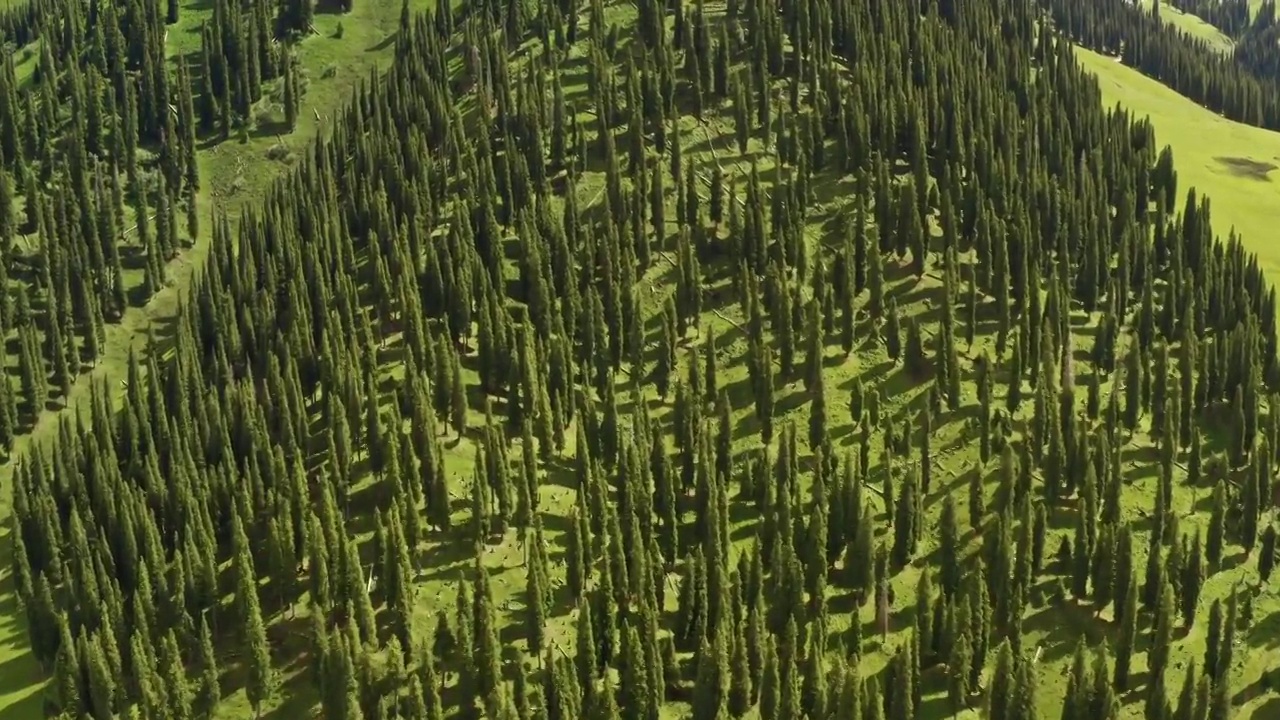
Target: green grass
1234,164
232,174
1193,26
1056,628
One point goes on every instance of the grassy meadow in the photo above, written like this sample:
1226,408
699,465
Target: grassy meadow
1235,166
1054,627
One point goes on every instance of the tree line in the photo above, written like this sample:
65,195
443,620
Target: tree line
1242,85
1255,33
1232,17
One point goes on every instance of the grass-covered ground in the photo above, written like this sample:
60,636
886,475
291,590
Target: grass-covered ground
346,50
1235,165
1055,628
1239,200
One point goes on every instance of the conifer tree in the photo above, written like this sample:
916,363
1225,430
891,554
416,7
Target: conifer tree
712,688
1220,701
1162,636
67,674
770,685
1128,637
949,566
1226,654
1193,574
915,361
905,526
1267,553
893,332
859,557
957,677
977,499
208,691
818,413
875,280
259,684
1216,539
1185,709
1000,693
1213,639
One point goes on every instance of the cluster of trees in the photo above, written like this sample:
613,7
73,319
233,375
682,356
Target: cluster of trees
97,161
1256,33
1244,86
19,23
239,56
1232,17
98,170
524,231
1256,47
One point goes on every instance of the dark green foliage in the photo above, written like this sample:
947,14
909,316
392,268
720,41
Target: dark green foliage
1127,641
1267,553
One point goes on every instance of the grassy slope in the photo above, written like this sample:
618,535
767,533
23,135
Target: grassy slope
231,173
1234,164
1193,26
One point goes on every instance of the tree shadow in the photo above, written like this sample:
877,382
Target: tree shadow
1265,633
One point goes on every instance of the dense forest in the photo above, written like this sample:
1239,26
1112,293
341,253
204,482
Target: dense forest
1256,34
800,352
98,142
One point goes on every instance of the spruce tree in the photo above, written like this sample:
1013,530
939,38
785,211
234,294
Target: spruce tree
957,675
893,332
1162,635
258,686
1128,637
208,691
1267,553
1216,539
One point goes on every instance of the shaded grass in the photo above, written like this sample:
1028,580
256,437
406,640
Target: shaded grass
1055,627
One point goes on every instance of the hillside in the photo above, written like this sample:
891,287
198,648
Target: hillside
1194,26
233,173
1233,164
820,359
